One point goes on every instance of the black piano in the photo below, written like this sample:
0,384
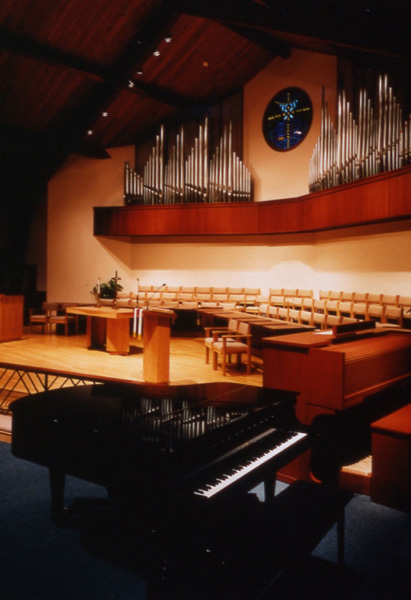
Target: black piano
178,463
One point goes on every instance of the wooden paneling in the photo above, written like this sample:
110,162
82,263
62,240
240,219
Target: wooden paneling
380,198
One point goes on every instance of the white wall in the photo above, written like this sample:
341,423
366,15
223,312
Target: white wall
372,259
75,258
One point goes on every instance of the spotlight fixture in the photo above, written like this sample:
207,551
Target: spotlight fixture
139,71
130,83
167,39
90,132
104,114
156,52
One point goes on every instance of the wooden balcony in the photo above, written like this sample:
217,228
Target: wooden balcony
385,197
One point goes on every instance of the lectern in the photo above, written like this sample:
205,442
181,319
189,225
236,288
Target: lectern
156,345
11,317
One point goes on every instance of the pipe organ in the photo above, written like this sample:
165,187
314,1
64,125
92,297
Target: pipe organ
190,177
377,141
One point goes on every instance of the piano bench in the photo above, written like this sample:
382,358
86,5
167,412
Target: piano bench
304,513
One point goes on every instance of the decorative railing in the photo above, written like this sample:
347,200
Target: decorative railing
17,381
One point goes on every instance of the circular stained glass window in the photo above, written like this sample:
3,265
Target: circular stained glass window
287,119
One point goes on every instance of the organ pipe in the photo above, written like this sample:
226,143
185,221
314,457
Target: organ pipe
191,175
377,141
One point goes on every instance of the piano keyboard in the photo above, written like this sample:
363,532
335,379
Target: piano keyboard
242,470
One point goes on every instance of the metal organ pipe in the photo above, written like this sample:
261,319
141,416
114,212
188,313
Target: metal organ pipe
378,142
196,178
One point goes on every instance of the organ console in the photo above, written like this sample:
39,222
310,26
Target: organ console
343,379
333,371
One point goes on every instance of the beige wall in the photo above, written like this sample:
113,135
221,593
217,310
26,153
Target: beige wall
374,258
285,174
75,259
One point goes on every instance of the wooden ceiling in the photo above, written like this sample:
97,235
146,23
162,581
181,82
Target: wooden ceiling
72,67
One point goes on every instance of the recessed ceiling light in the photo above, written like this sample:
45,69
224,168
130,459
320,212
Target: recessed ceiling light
156,52
104,114
90,132
167,39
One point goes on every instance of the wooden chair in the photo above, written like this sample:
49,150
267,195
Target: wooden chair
390,299
306,317
331,307
324,294
374,298
293,315
360,311
345,308
318,320
272,311
375,312
59,316
282,313
360,297
319,306
230,345
393,316
213,334
40,317
331,320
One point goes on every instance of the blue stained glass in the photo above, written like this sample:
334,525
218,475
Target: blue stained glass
287,119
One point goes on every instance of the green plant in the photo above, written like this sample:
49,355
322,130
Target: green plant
109,289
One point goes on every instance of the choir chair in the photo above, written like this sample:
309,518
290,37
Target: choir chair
213,334
59,316
40,317
237,344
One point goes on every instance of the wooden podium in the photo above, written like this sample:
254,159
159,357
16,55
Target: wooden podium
156,345
11,317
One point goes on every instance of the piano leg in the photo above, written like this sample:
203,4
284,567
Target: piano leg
269,487
57,481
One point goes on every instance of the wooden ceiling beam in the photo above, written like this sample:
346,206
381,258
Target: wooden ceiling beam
20,45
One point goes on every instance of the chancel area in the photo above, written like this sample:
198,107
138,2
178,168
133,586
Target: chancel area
205,300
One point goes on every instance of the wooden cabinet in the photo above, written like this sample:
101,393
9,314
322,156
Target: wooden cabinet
391,460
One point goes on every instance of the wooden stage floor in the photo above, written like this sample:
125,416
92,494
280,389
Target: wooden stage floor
187,359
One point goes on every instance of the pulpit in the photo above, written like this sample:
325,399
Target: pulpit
11,317
156,344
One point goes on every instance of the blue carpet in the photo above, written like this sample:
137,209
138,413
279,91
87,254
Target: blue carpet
39,561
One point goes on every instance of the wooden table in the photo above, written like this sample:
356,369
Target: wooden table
106,327
391,460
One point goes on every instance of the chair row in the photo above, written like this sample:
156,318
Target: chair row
344,312
216,296
53,313
367,298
